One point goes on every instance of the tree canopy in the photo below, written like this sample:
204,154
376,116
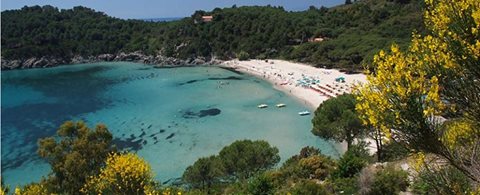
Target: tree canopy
244,158
337,119
351,33
204,172
76,154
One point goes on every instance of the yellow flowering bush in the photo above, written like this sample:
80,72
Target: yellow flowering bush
460,132
33,189
438,75
123,174
412,80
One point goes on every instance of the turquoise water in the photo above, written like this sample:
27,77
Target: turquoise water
170,117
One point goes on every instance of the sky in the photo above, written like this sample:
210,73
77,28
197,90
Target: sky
139,9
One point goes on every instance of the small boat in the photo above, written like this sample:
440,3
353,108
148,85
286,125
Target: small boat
281,105
262,106
303,113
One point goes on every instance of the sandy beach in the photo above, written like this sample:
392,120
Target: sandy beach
310,85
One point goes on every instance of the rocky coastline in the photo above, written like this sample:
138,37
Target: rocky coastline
138,56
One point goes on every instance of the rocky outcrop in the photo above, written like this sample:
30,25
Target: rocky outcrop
138,56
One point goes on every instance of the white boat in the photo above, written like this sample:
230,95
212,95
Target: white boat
281,105
303,113
262,106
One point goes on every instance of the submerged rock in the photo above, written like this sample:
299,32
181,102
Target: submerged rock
201,113
170,136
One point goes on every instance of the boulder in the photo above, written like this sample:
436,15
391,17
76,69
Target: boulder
29,63
11,64
105,57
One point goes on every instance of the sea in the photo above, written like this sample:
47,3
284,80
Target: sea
169,116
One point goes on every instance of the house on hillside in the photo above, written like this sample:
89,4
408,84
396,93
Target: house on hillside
207,18
316,39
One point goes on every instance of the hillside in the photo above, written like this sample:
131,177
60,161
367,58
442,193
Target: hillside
351,33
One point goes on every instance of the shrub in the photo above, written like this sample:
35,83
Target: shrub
309,164
317,167
123,174
308,187
389,181
447,180
261,56
243,56
345,185
261,184
352,161
365,180
32,189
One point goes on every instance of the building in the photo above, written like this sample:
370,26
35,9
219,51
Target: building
207,18
316,39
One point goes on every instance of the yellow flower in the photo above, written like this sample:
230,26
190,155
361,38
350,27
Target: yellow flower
402,79
122,173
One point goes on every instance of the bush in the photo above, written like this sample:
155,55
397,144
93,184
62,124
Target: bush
261,56
308,187
261,184
317,167
345,185
243,56
448,180
389,181
352,162
309,164
123,174
365,179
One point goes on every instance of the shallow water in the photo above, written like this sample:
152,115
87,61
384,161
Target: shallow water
170,117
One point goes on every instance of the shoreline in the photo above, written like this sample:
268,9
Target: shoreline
284,76
136,57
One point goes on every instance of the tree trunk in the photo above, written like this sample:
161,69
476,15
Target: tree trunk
377,136
349,140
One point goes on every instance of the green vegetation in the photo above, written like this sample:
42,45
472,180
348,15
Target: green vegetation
122,174
77,153
337,119
309,172
308,187
243,167
389,181
441,180
426,97
47,31
352,33
352,162
243,56
204,173
244,158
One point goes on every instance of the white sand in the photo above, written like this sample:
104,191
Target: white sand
279,71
